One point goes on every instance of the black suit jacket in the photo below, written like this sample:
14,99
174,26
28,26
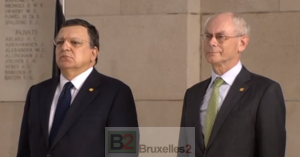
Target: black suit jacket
250,122
82,133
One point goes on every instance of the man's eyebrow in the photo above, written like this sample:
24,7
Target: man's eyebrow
221,32
68,38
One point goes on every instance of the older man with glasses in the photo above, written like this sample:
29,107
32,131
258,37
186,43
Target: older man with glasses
235,113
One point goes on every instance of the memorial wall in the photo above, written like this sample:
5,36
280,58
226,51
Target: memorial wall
26,45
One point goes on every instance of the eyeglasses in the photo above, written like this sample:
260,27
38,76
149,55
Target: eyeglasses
75,42
219,37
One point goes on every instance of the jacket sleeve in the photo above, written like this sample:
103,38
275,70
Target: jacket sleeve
270,126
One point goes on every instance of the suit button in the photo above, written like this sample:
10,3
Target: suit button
49,155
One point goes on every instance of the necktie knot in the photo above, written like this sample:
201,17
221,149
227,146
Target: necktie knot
218,82
68,86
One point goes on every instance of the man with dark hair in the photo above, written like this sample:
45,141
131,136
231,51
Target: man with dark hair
92,32
66,116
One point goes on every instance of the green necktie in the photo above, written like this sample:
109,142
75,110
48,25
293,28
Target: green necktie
212,109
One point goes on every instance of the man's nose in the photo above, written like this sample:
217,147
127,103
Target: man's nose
66,45
213,41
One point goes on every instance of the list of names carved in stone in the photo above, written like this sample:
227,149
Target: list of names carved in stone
22,48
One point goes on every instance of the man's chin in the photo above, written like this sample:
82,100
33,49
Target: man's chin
213,60
66,66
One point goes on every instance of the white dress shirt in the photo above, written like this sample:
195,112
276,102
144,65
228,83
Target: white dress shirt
229,78
77,83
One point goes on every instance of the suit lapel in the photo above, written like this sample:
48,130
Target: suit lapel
233,96
81,101
46,98
198,100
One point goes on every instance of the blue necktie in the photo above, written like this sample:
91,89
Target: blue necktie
62,107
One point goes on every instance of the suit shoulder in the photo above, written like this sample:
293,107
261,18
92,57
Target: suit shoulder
45,82
113,82
263,80
201,84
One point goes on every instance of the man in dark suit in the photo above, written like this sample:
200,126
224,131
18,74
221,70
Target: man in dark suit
235,113
66,116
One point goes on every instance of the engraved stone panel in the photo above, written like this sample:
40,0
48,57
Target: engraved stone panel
27,32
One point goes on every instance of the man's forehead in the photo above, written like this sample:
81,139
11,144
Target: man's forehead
73,31
219,25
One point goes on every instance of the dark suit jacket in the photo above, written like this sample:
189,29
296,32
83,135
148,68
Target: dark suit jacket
250,123
82,133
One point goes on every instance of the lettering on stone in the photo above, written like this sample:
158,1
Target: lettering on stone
22,49
26,43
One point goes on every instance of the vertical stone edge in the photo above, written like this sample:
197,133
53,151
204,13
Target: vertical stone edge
193,49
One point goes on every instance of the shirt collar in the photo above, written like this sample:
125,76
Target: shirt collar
229,76
77,81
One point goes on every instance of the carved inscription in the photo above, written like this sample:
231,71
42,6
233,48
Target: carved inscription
22,48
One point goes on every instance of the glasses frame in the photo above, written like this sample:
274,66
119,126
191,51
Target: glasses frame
219,41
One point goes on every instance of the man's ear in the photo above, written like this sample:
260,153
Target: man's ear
243,43
95,53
